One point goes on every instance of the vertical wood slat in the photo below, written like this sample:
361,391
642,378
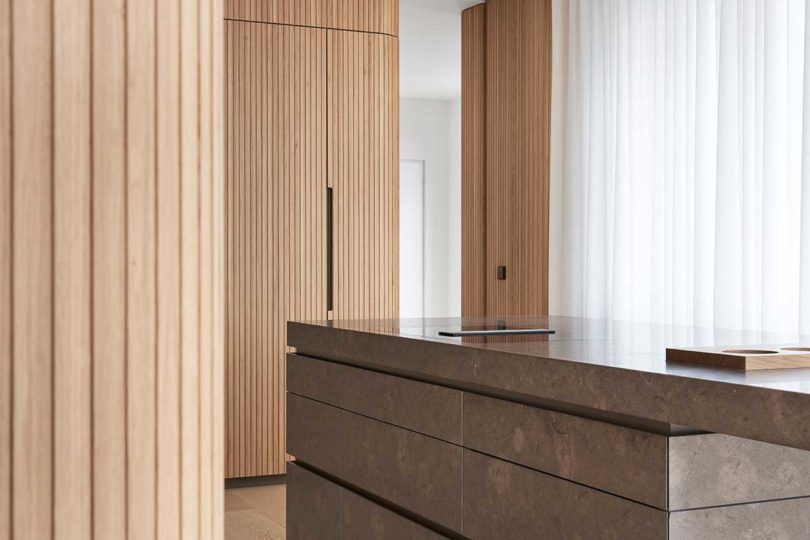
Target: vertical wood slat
377,16
168,251
110,220
109,270
213,270
363,168
473,161
141,271
189,267
32,256
211,376
518,77
275,234
6,353
72,248
218,243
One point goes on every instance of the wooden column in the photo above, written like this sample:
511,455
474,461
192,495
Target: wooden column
110,249
518,150
506,64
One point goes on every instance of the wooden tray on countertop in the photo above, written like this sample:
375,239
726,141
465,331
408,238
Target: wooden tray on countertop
745,357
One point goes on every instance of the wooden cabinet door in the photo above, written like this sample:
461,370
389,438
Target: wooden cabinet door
363,172
276,226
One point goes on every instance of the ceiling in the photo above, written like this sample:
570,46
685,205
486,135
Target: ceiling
430,47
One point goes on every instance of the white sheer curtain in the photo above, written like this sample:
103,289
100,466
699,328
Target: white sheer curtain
681,162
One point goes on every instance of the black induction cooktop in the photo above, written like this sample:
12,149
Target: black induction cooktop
495,330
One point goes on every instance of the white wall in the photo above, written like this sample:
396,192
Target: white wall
430,131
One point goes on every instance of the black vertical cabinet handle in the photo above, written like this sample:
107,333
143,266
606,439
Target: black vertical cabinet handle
501,272
329,250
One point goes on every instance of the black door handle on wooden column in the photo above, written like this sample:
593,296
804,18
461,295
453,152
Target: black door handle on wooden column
329,250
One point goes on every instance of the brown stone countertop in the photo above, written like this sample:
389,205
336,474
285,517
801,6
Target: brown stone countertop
610,370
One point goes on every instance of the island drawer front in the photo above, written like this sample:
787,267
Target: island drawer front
313,505
422,407
714,470
366,520
504,500
616,459
418,473
318,508
313,433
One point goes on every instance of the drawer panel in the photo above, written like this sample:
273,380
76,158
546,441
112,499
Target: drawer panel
366,520
312,378
418,473
620,460
422,407
319,509
503,500
313,433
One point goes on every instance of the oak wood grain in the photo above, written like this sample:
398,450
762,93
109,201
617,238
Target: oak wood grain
276,182
110,281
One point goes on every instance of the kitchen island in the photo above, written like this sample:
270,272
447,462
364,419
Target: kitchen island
398,431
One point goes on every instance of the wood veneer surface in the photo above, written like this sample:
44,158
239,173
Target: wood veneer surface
276,226
109,280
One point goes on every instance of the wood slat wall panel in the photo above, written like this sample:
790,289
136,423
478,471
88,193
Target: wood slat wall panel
276,243
378,16
363,168
518,147
473,161
111,229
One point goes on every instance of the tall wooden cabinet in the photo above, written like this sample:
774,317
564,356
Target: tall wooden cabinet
312,201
